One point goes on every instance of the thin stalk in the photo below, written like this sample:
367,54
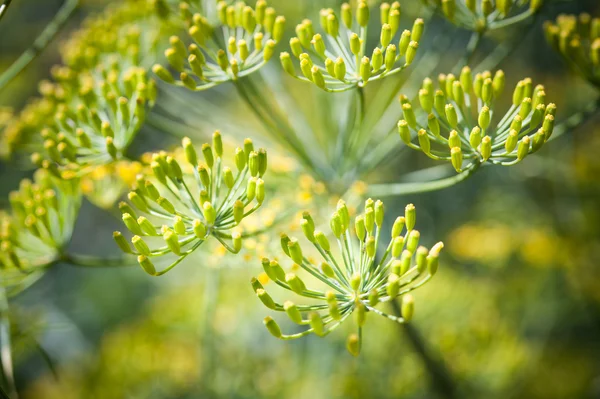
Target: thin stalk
49,32
3,7
5,346
386,190
440,377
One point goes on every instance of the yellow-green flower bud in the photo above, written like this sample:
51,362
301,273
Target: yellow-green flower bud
373,297
238,211
370,246
384,13
292,311
316,323
163,74
132,224
172,241
295,251
379,213
140,245
523,148
296,284
353,343
451,115
204,176
190,151
174,170
317,77
486,148
278,28
426,100
209,212
362,14
359,227
122,242
449,8
408,307
330,66
548,125
411,52
339,69
265,298
390,57
334,309
260,191
251,188
412,241
484,118
409,115
424,142
286,63
236,241
318,45
386,35
511,141
355,44
333,25
474,137
178,225
228,178
377,59
147,265
393,285
526,106
456,157
394,21
365,69
518,93
218,143
404,42
322,240
404,131
538,140
422,253
199,229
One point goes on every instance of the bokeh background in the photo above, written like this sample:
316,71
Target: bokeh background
514,311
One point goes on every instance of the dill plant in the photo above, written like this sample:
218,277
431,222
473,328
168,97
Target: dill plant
117,69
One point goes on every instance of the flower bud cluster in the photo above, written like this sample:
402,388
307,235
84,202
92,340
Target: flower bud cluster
242,43
339,60
459,122
577,40
40,222
481,15
125,30
98,118
353,277
179,206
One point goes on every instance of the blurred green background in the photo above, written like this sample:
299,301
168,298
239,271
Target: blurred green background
513,313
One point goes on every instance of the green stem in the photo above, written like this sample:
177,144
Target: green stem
3,7
94,261
40,43
386,190
469,51
441,379
5,346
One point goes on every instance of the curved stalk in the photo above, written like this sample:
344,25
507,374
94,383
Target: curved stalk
386,190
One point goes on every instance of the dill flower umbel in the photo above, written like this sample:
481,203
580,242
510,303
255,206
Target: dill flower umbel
577,40
355,278
481,15
459,121
185,206
339,59
39,225
242,42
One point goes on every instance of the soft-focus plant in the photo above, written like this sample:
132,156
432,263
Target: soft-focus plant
38,228
482,15
577,40
242,43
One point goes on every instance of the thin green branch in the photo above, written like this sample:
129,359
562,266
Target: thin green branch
40,43
386,190
441,379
